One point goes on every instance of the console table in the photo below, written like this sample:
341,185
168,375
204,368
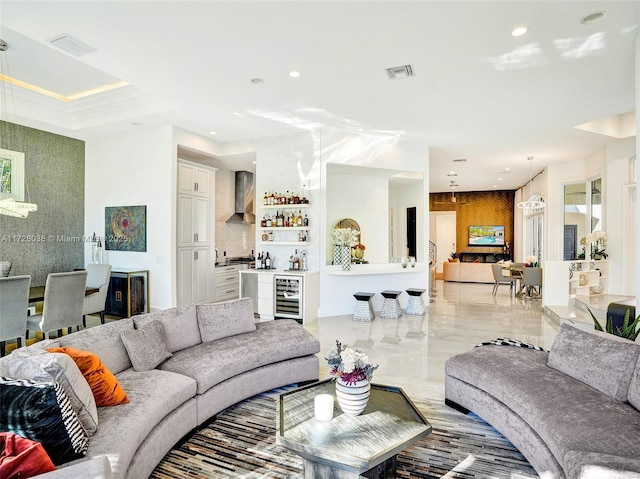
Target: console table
128,292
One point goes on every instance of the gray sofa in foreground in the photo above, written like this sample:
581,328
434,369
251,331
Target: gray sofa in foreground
573,412
218,356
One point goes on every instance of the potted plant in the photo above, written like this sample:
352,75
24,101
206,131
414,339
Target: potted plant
628,330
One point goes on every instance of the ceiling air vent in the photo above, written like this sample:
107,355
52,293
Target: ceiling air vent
404,71
70,44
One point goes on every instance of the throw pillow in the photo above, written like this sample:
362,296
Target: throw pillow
41,411
40,365
228,318
180,326
105,387
146,346
22,458
601,360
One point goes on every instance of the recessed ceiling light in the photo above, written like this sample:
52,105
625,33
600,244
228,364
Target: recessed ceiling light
495,186
257,81
213,132
507,169
253,162
499,179
519,31
452,173
592,18
294,74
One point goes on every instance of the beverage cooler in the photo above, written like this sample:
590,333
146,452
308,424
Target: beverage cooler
288,297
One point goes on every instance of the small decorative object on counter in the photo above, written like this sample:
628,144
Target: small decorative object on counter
353,377
405,261
5,268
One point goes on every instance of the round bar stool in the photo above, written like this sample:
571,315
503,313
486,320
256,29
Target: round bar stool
391,305
364,308
415,305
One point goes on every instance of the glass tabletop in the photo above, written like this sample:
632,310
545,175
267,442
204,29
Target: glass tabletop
389,423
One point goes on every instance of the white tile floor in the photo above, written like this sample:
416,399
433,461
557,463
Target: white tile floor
411,351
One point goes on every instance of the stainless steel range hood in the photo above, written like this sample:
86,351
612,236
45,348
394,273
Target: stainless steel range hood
243,199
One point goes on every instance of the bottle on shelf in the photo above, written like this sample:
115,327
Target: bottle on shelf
268,222
267,262
305,221
304,260
270,236
299,219
272,199
291,263
296,260
265,199
258,261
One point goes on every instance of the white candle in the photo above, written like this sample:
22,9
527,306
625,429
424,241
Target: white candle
323,407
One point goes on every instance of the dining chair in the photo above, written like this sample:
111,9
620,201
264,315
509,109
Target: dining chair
97,277
63,303
501,279
532,281
14,301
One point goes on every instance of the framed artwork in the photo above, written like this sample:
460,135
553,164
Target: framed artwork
12,174
125,228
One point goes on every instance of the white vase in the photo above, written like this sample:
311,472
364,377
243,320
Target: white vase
345,258
353,398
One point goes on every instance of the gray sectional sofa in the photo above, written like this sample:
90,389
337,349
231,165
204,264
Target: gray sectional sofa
218,356
573,412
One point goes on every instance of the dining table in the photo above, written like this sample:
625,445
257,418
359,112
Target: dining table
36,293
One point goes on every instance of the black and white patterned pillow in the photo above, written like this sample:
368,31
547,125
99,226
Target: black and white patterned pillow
509,342
41,411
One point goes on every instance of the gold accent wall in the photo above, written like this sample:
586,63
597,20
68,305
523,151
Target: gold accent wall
482,208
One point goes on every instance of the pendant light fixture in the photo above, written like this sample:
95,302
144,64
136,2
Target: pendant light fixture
534,202
8,204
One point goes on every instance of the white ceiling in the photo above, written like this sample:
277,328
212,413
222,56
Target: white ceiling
478,93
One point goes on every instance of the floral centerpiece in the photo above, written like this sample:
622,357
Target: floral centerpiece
350,364
597,243
345,237
532,261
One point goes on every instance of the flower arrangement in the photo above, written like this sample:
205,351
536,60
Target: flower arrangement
345,236
597,242
350,364
532,261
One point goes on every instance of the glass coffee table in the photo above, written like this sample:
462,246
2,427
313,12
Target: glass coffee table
349,446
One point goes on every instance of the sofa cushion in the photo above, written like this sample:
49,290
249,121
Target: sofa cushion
592,465
22,458
41,411
180,326
567,414
40,365
234,355
634,388
224,319
104,341
146,345
601,360
104,385
152,396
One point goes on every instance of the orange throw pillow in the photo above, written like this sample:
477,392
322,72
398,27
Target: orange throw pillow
105,387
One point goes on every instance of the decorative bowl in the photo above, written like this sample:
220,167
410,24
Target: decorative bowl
5,267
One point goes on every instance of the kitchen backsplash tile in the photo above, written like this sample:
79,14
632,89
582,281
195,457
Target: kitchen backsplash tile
235,238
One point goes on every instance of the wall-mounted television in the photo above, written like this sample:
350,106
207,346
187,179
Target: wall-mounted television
486,236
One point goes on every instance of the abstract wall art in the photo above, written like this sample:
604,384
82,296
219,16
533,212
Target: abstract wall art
125,228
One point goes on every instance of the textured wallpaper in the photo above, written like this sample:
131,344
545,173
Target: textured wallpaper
50,239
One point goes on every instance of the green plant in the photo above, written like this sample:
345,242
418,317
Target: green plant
628,331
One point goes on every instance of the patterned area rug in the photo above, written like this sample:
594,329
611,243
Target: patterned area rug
240,443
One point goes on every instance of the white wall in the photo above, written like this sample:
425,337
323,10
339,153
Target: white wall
130,170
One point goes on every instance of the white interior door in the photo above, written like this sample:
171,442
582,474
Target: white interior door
445,237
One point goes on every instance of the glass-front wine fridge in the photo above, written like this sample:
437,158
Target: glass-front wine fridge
288,297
